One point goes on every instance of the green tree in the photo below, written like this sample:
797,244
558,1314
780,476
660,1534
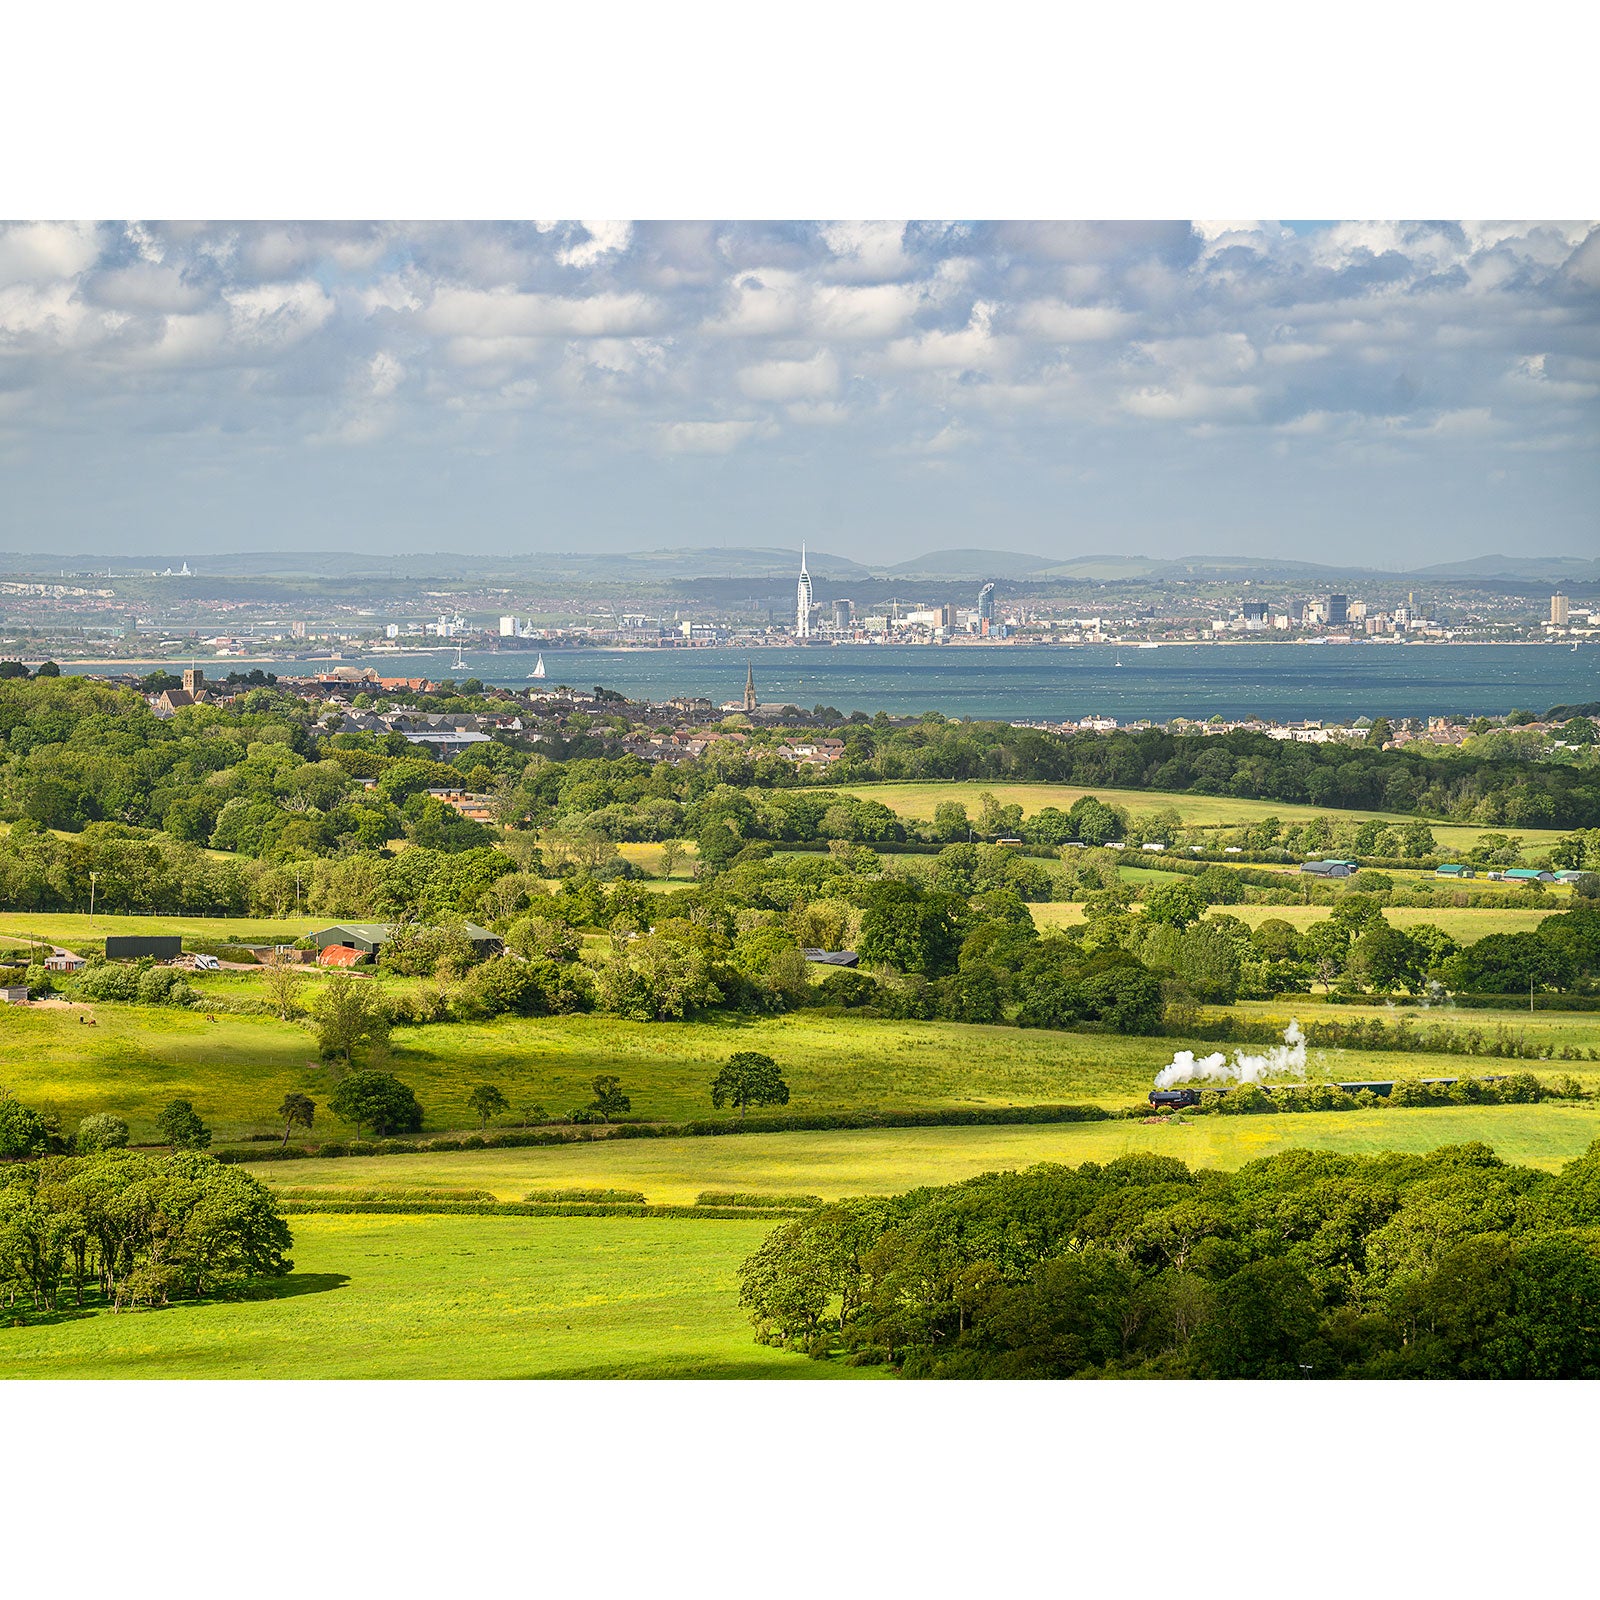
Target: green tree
377,1100
297,1111
749,1079
102,1131
487,1101
1176,903
23,1132
609,1100
182,1128
345,1015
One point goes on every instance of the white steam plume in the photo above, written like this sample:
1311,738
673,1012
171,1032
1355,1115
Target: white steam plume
1290,1056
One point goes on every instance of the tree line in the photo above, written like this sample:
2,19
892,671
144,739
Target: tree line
1307,1264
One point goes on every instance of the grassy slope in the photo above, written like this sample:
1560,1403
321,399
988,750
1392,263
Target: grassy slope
448,1297
236,1069
891,1160
1197,810
1463,923
66,927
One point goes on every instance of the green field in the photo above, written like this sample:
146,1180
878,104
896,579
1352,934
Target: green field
236,1069
892,1160
1464,924
916,801
448,1297
68,927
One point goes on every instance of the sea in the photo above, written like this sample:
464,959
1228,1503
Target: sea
1049,683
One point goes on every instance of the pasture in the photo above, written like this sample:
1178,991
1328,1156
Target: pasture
448,1297
236,1069
916,802
892,1160
1464,924
67,928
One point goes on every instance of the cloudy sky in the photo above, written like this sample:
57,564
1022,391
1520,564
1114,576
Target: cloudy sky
1389,394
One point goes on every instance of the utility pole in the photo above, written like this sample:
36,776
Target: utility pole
92,877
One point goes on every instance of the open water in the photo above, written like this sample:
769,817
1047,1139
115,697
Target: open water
1282,681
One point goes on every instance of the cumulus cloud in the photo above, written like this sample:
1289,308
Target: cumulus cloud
1120,341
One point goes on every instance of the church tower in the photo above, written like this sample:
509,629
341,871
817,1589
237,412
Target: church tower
802,618
749,687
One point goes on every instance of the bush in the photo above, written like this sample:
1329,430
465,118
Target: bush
103,1131
755,1202
585,1196
378,1100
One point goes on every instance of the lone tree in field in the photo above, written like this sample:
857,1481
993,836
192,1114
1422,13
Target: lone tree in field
749,1079
297,1111
609,1100
488,1102
283,980
671,855
377,1100
347,1014
182,1128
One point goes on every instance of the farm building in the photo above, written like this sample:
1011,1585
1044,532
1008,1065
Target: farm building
14,994
368,938
1529,875
1328,869
136,946
339,955
831,958
1453,869
64,961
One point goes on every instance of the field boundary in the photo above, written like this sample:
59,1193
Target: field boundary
522,1208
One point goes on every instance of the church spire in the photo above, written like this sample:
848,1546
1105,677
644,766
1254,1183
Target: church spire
749,687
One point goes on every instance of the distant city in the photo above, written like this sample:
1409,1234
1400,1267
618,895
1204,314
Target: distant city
181,610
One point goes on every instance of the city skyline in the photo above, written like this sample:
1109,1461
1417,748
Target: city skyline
1384,392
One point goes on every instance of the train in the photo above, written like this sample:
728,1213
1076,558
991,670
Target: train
1189,1095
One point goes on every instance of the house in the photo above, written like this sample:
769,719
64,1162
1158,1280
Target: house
1453,869
64,961
1328,869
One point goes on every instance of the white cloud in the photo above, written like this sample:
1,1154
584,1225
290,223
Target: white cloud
1061,323
486,313
45,252
791,380
706,438
601,239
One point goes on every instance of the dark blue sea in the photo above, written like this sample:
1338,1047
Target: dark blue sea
1282,681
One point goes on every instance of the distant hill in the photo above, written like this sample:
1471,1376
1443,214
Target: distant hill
976,565
1557,569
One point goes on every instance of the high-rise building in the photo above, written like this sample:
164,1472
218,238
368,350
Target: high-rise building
1254,610
1337,607
802,604
508,627
1558,611
985,605
844,612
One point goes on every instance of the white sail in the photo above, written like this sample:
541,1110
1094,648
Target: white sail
538,668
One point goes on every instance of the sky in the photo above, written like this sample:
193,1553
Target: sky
1372,393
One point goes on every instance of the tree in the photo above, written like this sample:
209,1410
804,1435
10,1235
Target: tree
609,1100
347,1014
1177,903
378,1100
283,980
182,1128
297,1111
102,1131
23,1132
1380,733
487,1101
671,855
749,1079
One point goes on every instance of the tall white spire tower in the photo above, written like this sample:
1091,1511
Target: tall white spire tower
802,606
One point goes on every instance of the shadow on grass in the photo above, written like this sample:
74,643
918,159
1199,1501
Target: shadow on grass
297,1284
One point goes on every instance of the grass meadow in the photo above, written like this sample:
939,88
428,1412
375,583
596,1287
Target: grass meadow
916,801
1464,924
235,1069
892,1160
448,1297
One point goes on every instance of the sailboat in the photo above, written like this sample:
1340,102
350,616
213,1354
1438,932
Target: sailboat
459,663
538,668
